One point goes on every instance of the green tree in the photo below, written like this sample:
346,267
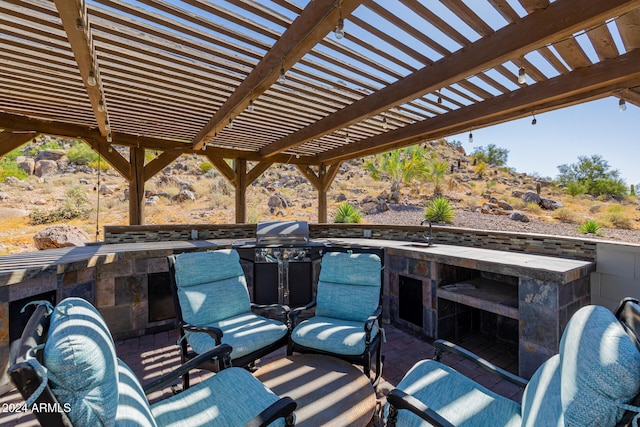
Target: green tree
491,155
400,166
595,175
435,173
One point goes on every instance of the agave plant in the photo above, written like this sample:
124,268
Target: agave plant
346,214
590,227
439,210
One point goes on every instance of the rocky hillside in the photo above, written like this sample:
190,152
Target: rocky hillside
55,188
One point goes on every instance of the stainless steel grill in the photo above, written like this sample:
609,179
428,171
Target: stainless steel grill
282,233
282,257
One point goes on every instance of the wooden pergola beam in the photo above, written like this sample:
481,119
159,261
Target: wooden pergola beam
602,79
313,24
119,163
74,17
10,141
557,20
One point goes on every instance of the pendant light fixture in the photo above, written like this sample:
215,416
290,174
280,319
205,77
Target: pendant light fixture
522,77
622,105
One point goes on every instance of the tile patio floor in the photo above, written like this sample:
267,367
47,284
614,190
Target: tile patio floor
153,355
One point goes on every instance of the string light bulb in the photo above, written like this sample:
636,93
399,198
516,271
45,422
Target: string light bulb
282,77
204,147
101,107
110,139
470,137
534,121
522,77
91,79
385,123
230,123
339,32
250,106
439,99
346,138
622,105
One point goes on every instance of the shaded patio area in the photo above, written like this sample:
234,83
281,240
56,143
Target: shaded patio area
151,356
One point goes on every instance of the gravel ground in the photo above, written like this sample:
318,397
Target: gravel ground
412,215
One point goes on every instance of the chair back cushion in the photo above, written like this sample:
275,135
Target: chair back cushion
81,361
600,368
349,286
211,286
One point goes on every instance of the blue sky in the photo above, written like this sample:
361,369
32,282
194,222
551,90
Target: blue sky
561,136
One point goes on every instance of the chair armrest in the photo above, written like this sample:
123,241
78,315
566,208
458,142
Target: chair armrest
272,307
215,333
446,346
293,315
368,325
220,352
398,399
282,408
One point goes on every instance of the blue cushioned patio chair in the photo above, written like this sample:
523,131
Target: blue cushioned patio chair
212,307
348,307
593,381
67,367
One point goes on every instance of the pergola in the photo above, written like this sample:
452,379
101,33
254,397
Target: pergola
264,82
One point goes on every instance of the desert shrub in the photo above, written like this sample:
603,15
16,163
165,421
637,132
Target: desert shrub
565,215
9,167
14,153
533,207
49,145
574,188
590,227
99,164
616,217
81,154
205,167
439,210
74,206
481,169
346,213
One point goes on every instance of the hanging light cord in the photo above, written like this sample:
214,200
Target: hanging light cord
98,199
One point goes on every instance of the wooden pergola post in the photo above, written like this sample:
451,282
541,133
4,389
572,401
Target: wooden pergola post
322,181
136,186
241,191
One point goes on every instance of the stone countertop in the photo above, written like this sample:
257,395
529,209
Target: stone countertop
540,267
19,267
16,268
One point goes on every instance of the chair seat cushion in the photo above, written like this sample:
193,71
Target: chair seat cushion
245,333
231,397
335,336
133,406
455,397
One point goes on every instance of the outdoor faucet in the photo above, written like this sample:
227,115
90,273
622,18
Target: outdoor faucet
429,239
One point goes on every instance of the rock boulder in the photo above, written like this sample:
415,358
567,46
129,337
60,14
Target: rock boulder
60,236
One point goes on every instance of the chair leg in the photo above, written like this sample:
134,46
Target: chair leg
379,366
185,381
